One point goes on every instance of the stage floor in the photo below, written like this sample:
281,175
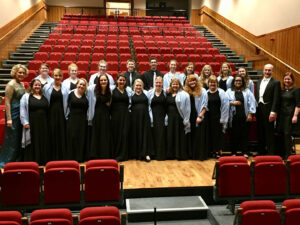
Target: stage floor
169,173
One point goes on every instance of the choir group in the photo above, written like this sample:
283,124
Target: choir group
154,116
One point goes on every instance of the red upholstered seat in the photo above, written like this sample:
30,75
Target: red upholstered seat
291,211
46,48
100,215
102,180
294,178
84,57
56,56
269,175
220,58
234,177
61,182
26,175
10,218
34,65
144,66
207,58
51,216
259,213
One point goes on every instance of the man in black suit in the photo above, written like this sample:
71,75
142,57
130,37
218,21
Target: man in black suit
267,95
150,75
130,74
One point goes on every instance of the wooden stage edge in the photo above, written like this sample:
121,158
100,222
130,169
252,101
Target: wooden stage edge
169,173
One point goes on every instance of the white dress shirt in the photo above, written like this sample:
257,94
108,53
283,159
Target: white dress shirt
263,84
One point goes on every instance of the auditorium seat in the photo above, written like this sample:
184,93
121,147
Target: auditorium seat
65,64
207,58
99,49
199,66
201,51
112,57
291,212
233,177
213,51
185,44
70,56
61,182
42,56
51,217
181,58
220,58
162,44
144,66
124,56
72,48
206,45
46,48
108,215
142,57
258,213
194,58
56,56
150,44
62,42
157,56
113,66
87,42
153,50
75,42
111,49
99,42
293,164
86,49
60,48
195,44
165,50
83,65
84,57
111,42
140,50
269,176
94,66
168,57
215,66
189,51
53,64
20,183
102,181
10,218
50,41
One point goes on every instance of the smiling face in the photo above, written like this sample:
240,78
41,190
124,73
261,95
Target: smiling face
103,82
213,85
73,71
238,82
153,64
81,86
192,83
130,67
207,72
138,87
121,82
268,70
190,69
175,87
288,81
158,83
173,65
102,68
44,70
242,72
57,76
36,87
20,75
225,69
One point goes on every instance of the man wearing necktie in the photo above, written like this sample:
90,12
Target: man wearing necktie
130,74
150,75
267,95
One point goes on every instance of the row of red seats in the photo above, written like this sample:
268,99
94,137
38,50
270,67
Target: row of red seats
176,23
88,216
172,44
88,36
266,176
60,182
264,212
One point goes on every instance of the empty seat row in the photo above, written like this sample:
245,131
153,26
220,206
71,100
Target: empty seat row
60,182
88,216
267,176
264,212
88,36
173,44
83,49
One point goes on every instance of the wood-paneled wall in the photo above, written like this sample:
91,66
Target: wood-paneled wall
19,29
283,44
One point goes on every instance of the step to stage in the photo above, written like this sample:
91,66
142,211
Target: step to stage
166,209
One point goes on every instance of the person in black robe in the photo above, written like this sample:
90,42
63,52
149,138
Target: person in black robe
99,116
141,143
77,122
120,119
198,146
150,75
289,123
37,106
157,99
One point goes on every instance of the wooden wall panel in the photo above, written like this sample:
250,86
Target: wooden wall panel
55,13
74,10
139,12
285,45
19,29
195,17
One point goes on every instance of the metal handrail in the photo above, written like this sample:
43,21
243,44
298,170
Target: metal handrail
251,42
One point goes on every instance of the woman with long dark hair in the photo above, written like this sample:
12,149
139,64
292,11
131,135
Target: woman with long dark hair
249,83
14,90
120,118
99,96
34,116
242,106
198,98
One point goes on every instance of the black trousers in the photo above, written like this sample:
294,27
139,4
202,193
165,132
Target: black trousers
266,130
239,134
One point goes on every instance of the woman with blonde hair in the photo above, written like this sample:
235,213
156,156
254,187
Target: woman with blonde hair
205,74
225,78
218,113
198,99
71,81
157,101
34,116
57,96
249,83
141,144
14,90
177,121
77,122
